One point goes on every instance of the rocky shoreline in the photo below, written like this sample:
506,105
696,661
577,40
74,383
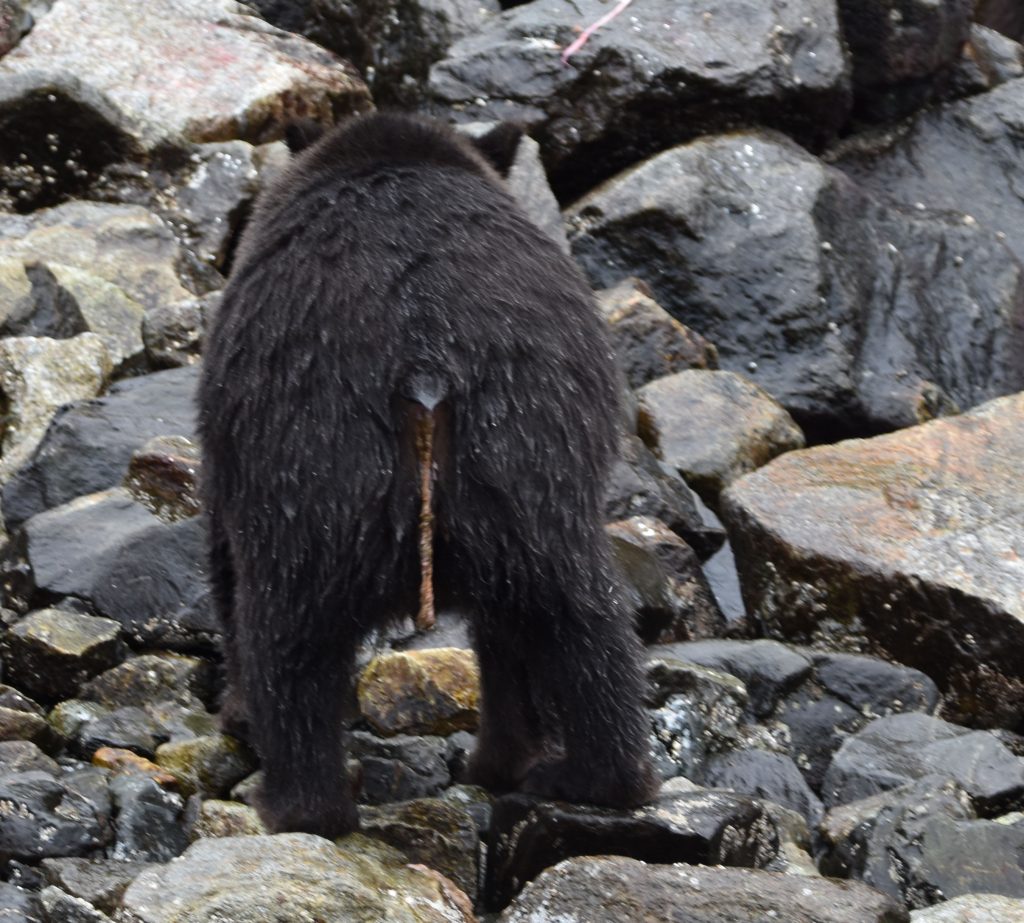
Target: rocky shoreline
801,218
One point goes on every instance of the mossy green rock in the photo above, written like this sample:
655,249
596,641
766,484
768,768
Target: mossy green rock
435,691
208,765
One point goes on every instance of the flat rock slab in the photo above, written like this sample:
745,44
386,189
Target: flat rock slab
705,827
606,888
973,908
292,876
212,72
910,544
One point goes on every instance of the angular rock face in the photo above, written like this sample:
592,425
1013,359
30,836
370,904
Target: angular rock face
212,73
605,888
853,315
909,544
657,75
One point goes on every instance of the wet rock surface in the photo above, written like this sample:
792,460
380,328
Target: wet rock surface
823,723
629,890
918,531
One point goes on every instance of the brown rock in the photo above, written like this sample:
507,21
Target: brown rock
649,342
910,545
162,476
713,427
124,761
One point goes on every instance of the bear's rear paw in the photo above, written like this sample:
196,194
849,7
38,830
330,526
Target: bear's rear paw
495,773
562,781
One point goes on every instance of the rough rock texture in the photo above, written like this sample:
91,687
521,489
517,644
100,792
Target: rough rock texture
603,888
291,876
394,42
421,692
663,72
648,341
212,72
671,597
909,544
89,445
713,427
900,49
903,748
705,827
973,908
49,653
125,245
38,375
163,476
112,552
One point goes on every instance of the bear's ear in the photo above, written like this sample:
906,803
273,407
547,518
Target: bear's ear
302,133
499,146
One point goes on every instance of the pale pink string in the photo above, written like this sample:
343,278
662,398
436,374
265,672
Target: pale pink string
591,29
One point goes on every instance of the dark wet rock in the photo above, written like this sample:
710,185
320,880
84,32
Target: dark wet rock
821,296
394,42
125,245
212,73
609,888
400,768
209,765
650,78
1006,16
902,748
43,818
50,653
90,785
433,691
763,775
988,60
59,905
38,375
963,157
973,908
110,551
922,843
740,427
152,678
24,756
640,485
449,630
163,476
648,341
703,827
818,724
127,728
88,446
432,832
18,905
907,544
900,51
173,333
225,818
148,820
670,595
768,669
292,876
874,687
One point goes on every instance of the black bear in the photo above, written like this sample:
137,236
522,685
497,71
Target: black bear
407,385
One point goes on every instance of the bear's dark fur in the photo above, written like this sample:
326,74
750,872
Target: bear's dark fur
386,277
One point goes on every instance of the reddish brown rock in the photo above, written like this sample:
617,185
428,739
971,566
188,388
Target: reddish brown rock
910,545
